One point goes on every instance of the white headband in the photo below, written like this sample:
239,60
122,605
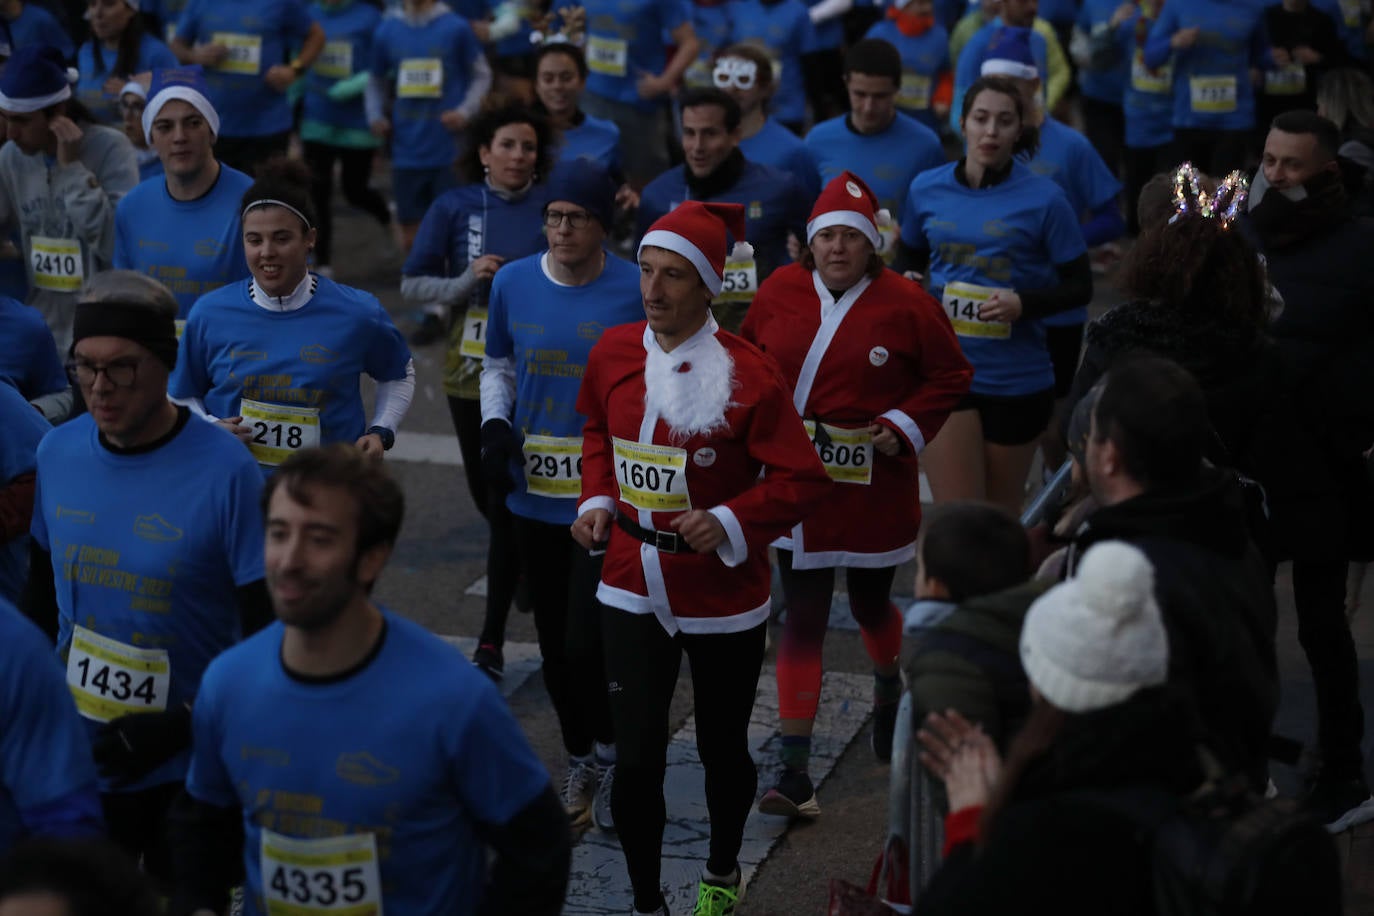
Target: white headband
998,66
270,202
187,94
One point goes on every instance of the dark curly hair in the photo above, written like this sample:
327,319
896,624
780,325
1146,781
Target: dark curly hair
287,180
482,131
1193,263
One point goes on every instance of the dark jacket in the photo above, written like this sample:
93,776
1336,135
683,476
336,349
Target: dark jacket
1238,369
971,661
1217,597
1050,851
1326,338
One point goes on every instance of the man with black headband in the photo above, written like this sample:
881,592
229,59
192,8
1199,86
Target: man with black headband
1317,254
145,523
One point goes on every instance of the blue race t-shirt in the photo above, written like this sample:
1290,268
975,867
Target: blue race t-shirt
712,27
429,69
192,247
777,147
783,29
969,67
1008,236
147,552
1212,88
259,35
625,41
45,756
887,161
29,359
1104,84
306,360
408,761
924,58
90,88
348,30
1148,103
1067,158
24,428
592,138
773,202
547,330
167,12
36,26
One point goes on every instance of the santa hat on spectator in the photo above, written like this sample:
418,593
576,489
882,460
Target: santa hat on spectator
35,78
697,231
186,84
847,201
1009,54
1094,640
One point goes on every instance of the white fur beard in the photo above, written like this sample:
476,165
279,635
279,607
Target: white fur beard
692,402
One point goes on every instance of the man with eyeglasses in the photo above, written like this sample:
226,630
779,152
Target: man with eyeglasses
182,227
875,141
545,313
148,554
775,204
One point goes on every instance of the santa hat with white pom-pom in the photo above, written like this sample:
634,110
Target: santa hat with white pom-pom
847,201
35,78
697,231
1094,640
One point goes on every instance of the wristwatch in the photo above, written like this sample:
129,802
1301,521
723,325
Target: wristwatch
387,436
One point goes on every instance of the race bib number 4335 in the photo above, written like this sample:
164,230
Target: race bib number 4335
339,876
652,478
109,679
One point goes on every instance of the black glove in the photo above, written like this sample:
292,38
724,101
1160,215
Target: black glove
131,747
498,449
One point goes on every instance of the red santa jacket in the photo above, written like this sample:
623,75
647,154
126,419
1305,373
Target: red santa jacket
884,352
633,463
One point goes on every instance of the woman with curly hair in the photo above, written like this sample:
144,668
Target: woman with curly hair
1198,295
468,233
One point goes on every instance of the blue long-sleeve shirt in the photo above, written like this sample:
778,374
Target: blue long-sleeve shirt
1212,88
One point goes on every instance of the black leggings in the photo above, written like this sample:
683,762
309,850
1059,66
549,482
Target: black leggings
354,175
1215,152
137,823
1324,633
503,559
642,663
568,621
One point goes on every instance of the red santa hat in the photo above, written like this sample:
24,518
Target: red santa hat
847,201
697,231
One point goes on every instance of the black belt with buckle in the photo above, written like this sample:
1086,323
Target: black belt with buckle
666,541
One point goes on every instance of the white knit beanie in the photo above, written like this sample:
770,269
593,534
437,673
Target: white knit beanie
1093,641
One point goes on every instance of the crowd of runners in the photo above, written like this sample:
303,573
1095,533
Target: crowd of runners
716,285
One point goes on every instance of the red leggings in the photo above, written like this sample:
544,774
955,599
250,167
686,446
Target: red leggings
809,592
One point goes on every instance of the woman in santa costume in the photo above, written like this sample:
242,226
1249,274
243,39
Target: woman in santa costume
693,462
874,368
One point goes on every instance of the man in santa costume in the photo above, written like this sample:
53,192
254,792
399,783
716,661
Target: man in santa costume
874,369
693,462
